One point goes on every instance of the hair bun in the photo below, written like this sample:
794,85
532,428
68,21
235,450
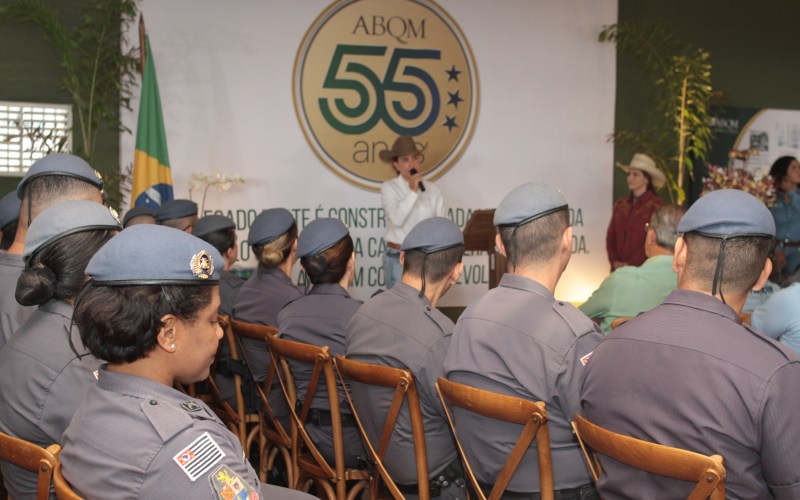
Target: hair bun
35,286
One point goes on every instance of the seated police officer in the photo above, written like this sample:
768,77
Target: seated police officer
402,328
180,214
138,215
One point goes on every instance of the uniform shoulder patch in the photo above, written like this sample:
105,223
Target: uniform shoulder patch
199,456
585,359
227,485
191,406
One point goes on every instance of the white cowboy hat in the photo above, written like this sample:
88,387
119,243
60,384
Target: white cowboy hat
646,164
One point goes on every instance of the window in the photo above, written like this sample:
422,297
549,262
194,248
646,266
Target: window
29,131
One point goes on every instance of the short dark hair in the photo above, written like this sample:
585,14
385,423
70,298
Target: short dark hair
275,252
744,260
223,240
57,271
780,168
120,324
537,241
9,233
437,264
329,265
47,190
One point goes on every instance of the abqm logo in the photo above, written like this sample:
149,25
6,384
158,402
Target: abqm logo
368,71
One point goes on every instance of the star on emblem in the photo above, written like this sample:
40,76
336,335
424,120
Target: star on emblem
450,122
454,98
452,73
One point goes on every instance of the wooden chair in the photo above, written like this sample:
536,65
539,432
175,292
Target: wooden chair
330,479
33,458
273,439
531,415
745,318
63,489
402,381
707,471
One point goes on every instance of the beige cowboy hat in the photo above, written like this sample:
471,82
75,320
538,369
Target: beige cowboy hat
403,146
646,164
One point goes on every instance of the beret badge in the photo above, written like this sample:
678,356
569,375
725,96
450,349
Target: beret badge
202,265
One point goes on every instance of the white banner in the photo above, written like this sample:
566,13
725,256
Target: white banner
545,110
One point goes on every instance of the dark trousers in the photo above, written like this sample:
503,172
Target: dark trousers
585,492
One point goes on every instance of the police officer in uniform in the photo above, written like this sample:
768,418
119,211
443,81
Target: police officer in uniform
138,215
273,237
150,311
325,250
50,180
9,217
402,328
689,374
42,376
521,341
180,214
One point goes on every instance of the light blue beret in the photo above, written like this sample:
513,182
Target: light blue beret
432,235
60,164
269,225
136,212
63,219
175,209
211,224
527,203
9,208
728,213
147,254
320,235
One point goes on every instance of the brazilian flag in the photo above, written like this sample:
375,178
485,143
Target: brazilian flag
152,177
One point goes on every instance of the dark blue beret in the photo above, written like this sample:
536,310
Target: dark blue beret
136,212
9,208
320,235
527,203
211,224
63,219
175,209
728,213
147,254
432,235
269,225
60,164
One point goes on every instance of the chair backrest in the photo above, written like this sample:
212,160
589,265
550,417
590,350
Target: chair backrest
282,350
708,472
63,489
531,415
33,458
402,381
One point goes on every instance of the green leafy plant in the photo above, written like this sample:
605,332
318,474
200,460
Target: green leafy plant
679,136
97,74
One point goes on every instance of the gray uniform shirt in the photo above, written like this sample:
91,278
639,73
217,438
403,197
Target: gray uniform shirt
520,341
135,438
688,374
229,286
319,319
399,329
12,314
41,383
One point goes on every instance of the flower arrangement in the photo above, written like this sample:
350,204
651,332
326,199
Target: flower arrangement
219,180
762,188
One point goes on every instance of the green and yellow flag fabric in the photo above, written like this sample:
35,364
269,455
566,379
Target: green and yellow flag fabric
152,176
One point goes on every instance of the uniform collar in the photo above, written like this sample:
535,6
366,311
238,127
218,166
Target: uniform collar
703,302
408,292
132,385
275,273
526,284
12,260
329,289
55,306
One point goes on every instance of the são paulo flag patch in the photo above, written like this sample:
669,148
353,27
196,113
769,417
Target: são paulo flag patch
198,458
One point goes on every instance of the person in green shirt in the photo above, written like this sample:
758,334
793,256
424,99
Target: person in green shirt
631,290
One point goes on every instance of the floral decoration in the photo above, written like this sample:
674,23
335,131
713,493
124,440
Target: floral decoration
762,188
220,180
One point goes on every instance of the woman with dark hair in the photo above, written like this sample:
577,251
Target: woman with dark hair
273,237
320,318
785,172
44,367
625,236
150,311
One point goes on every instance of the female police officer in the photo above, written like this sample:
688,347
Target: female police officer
150,311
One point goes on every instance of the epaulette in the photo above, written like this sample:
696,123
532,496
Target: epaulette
168,418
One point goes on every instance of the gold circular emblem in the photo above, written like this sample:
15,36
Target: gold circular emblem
202,265
369,71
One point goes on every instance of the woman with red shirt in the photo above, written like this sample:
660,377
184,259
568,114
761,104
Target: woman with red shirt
626,232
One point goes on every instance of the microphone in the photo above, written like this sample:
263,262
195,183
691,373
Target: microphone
413,171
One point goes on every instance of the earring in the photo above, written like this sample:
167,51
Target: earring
172,346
